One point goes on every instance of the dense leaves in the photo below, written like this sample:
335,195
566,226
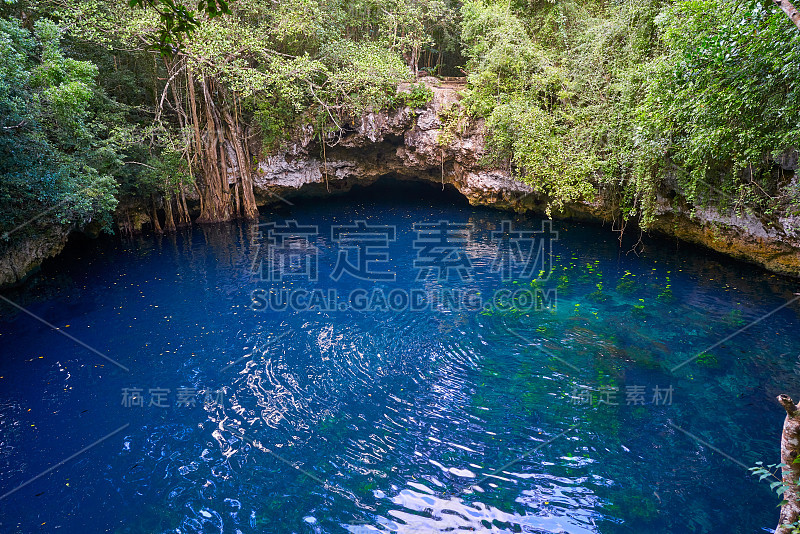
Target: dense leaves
632,95
144,101
524,97
178,21
59,145
723,100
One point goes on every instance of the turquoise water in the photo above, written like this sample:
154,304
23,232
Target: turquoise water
578,413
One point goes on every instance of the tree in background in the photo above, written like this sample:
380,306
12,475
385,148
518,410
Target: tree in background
721,103
60,142
790,11
625,100
579,99
259,72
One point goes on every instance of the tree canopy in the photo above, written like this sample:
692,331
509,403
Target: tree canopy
148,102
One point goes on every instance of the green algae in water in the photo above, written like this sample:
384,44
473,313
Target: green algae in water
627,284
708,360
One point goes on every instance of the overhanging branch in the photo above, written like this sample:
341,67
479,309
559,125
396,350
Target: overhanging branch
790,11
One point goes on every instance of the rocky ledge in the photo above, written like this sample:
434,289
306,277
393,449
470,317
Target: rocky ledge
27,254
404,143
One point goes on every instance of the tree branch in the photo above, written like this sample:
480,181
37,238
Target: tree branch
788,404
14,127
790,11
138,163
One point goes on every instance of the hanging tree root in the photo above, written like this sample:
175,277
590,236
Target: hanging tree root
790,450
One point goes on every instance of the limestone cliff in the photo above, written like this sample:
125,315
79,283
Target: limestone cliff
404,143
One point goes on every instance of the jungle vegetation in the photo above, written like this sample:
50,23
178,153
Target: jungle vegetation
107,103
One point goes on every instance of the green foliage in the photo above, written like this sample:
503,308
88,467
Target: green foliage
275,66
632,95
165,173
774,472
419,96
607,60
526,100
57,150
771,471
294,65
623,99
178,21
723,98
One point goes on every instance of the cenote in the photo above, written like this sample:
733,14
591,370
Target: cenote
608,406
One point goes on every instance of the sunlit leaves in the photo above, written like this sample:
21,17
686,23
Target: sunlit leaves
179,21
525,99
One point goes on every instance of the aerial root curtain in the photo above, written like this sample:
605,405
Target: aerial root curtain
221,148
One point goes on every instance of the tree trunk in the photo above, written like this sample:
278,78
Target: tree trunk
125,225
187,219
154,216
221,145
169,218
236,199
249,210
183,121
205,190
790,449
176,94
790,11
183,211
216,204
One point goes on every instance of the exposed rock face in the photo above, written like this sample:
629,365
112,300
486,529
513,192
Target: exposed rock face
772,244
404,144
26,255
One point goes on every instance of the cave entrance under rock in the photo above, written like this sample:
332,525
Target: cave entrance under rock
399,188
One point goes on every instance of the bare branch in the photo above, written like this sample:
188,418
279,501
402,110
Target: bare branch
14,127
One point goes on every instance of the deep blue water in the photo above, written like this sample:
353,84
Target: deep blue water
455,415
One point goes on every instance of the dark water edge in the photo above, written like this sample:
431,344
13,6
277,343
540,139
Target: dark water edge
398,421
